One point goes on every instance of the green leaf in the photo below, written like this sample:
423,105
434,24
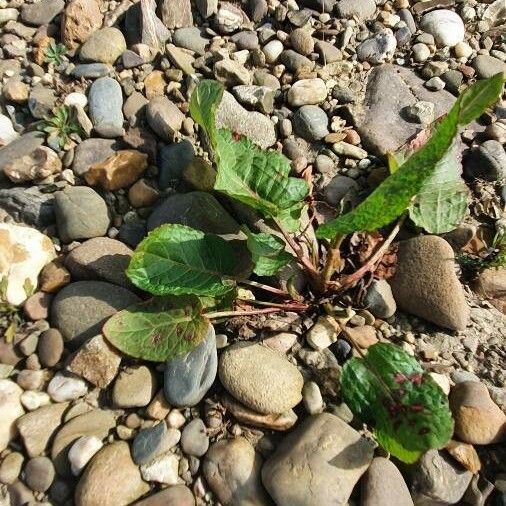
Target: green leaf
159,329
204,103
442,203
259,179
178,260
392,197
390,390
268,253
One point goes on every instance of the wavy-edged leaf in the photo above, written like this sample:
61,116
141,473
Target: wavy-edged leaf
178,260
390,390
392,197
159,329
268,253
442,203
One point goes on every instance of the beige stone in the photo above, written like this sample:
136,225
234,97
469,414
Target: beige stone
39,164
80,19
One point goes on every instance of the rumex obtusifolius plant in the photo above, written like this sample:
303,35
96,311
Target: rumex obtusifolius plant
194,276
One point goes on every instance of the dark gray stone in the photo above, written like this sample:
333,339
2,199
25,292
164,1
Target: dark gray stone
147,443
173,160
187,378
81,213
129,59
106,107
320,5
91,152
41,13
132,233
487,162
80,309
22,146
379,299
29,206
407,17
191,38
310,122
194,439
91,70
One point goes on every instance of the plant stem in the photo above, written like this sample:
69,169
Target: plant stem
303,259
267,288
331,263
374,259
289,306
226,314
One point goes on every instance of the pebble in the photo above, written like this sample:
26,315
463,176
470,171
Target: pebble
39,474
272,50
302,41
192,38
187,378
11,409
379,48
320,439
421,112
111,478
307,92
7,132
231,73
105,107
164,117
8,14
103,46
134,387
64,388
41,13
312,398
425,283
10,467
260,378
383,485
380,300
36,307
41,163
80,20
50,347
360,9
463,50
487,66
81,213
176,13
82,451
322,334
421,52
16,90
154,441
194,438
91,70
258,97
175,419
34,251
310,122
34,400
163,469
446,26
478,419
177,495
232,470
486,161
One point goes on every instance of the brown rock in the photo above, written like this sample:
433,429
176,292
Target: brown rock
154,84
491,283
176,13
158,408
246,415
478,419
465,454
50,347
118,171
142,194
16,90
53,277
177,495
426,285
39,164
96,361
80,19
37,306
364,336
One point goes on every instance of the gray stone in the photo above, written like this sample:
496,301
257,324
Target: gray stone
41,101
173,159
231,72
194,439
198,210
80,309
20,147
91,70
407,17
134,387
28,205
487,161
41,13
245,40
341,189
311,123
81,213
258,97
181,59
438,480
106,107
92,151
253,125
153,442
103,46
362,9
153,32
328,52
379,299
176,13
379,120
260,378
164,117
379,48
100,258
383,485
39,473
187,378
425,283
487,66
295,62
191,38
318,463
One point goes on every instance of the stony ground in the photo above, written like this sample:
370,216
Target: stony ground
253,416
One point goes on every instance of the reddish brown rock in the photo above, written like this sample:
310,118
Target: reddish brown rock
491,283
53,277
141,194
80,19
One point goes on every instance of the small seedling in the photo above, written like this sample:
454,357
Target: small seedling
61,125
195,276
54,53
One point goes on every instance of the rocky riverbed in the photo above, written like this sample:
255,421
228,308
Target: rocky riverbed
253,416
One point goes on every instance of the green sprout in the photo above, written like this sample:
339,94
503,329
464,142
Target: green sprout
61,125
54,53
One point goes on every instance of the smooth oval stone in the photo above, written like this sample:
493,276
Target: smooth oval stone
105,106
187,378
103,46
91,70
310,122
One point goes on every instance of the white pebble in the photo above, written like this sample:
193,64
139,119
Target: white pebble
66,388
7,132
435,84
442,381
175,419
76,98
446,26
82,451
163,469
463,50
33,400
272,50
421,52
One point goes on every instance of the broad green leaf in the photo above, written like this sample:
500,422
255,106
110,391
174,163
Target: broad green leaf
257,178
204,103
393,196
442,202
178,260
390,390
268,253
158,329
